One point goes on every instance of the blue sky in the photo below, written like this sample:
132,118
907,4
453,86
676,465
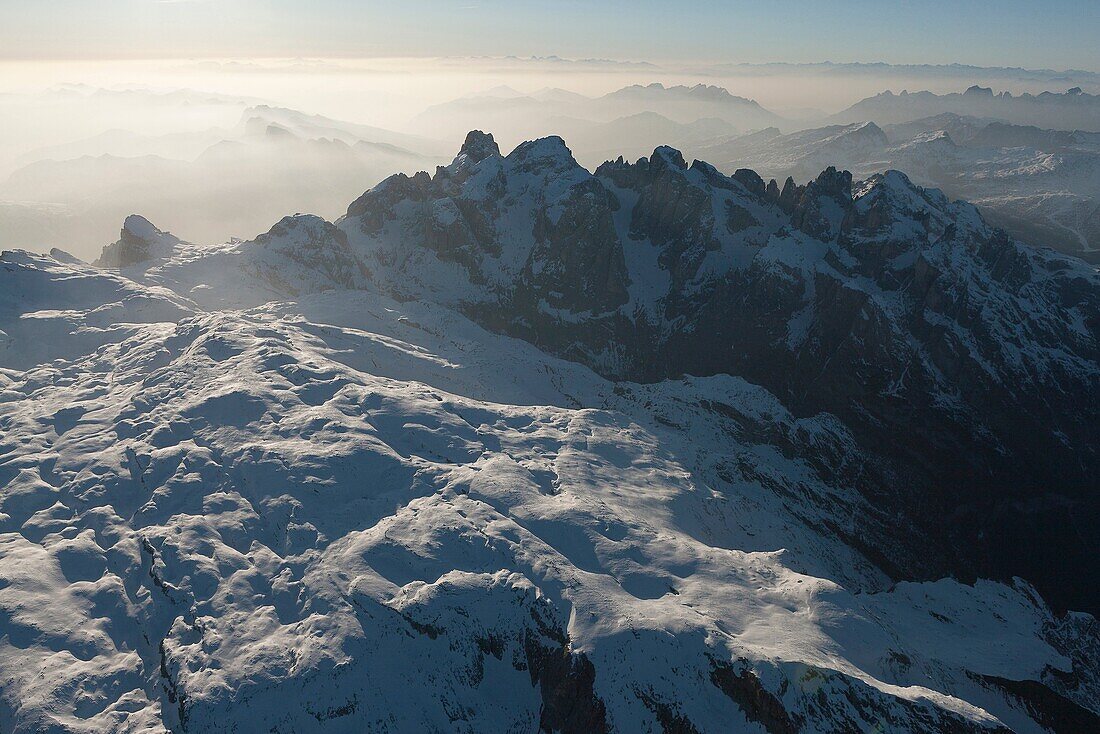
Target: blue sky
1051,34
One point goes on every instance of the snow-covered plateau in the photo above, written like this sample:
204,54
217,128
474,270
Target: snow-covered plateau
520,447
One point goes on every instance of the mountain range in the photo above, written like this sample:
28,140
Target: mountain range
519,115
520,446
1034,172
1041,185
1073,109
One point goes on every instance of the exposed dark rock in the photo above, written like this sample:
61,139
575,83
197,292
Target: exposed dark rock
569,703
750,180
371,208
772,191
670,720
1050,709
1077,636
824,209
478,146
578,263
790,195
759,704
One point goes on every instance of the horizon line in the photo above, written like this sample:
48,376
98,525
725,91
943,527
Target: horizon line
536,58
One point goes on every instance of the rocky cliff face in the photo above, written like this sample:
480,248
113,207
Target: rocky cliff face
900,312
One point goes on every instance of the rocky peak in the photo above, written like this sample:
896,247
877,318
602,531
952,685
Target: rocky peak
979,91
316,250
709,91
665,164
751,180
790,195
139,241
301,228
544,154
398,187
825,207
871,133
478,146
833,183
668,156
772,191
707,176
889,205
138,227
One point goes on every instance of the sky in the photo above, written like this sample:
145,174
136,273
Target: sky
1055,34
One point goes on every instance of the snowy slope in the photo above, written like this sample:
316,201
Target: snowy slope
267,496
250,529
299,254
57,310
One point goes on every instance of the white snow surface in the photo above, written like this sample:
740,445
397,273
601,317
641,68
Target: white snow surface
238,497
